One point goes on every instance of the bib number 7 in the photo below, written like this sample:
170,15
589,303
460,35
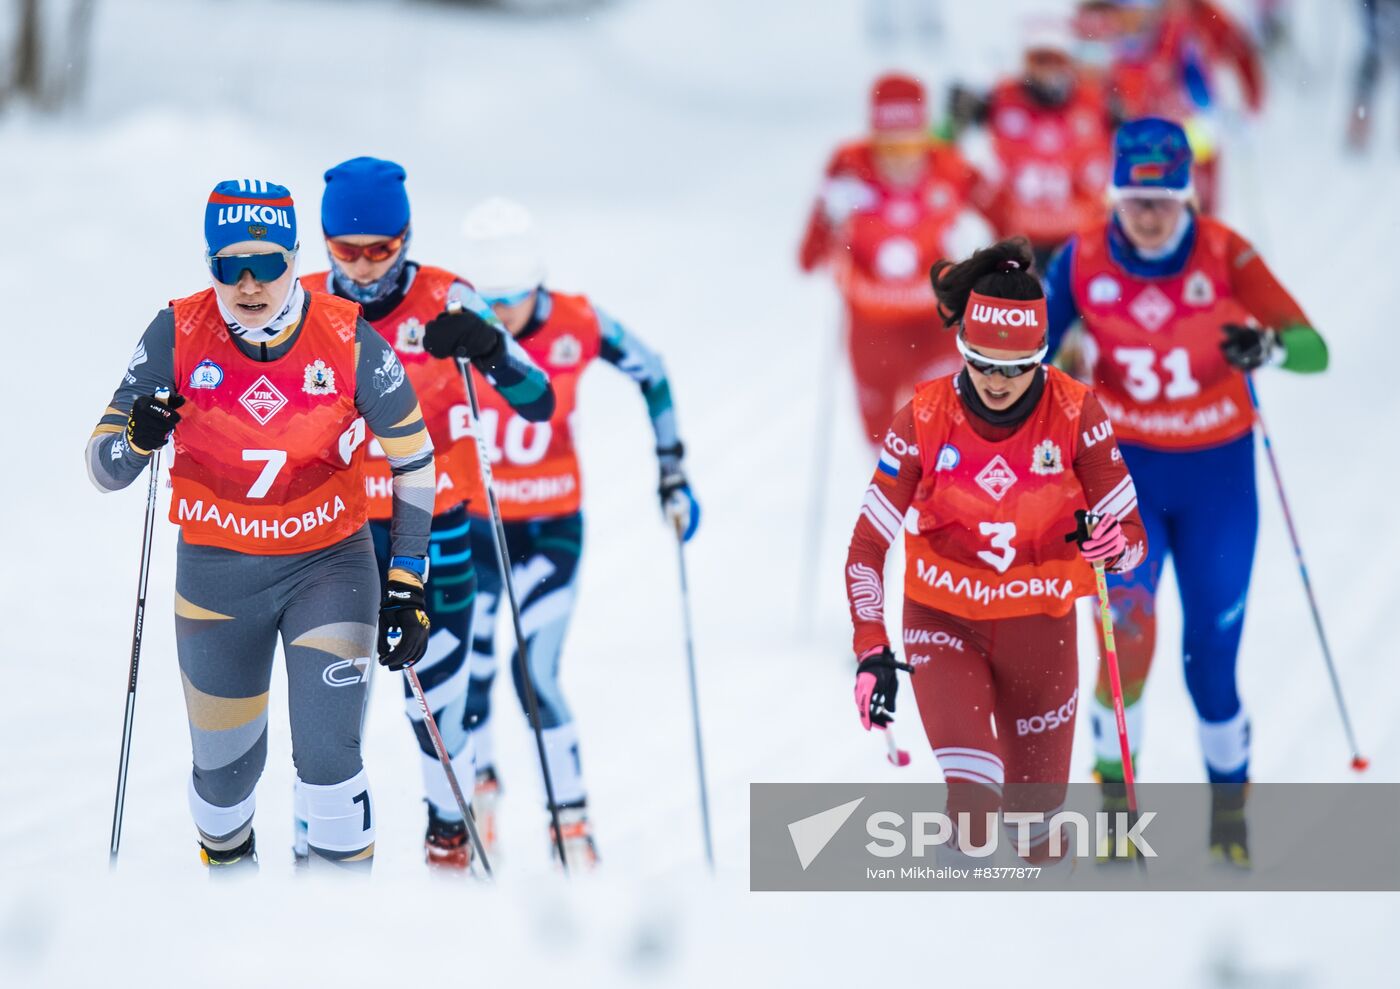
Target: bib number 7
1002,533
273,461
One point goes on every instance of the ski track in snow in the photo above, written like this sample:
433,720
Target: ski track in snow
669,150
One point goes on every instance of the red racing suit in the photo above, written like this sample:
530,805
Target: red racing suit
990,582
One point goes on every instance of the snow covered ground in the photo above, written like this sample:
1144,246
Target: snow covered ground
669,149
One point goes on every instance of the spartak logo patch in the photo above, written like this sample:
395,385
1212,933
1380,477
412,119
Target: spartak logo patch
262,400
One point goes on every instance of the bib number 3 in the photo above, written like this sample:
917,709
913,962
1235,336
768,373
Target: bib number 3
1001,534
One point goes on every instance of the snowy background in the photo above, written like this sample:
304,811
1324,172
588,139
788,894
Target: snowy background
669,149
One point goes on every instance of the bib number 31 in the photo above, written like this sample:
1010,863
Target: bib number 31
1142,381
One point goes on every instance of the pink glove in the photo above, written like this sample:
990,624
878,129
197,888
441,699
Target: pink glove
1100,537
1107,543
876,686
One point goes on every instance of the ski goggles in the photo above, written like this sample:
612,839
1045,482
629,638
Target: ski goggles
380,250
507,298
227,269
1007,369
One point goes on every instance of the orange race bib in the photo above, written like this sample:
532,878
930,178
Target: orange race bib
268,456
1158,369
988,540
535,467
441,396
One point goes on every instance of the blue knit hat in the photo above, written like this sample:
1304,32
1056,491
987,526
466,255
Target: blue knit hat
249,209
364,196
1152,157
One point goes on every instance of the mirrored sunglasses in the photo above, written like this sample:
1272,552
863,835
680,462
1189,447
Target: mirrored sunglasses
227,269
1007,369
380,250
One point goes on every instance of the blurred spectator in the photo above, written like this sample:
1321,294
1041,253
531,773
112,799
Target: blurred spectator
1380,39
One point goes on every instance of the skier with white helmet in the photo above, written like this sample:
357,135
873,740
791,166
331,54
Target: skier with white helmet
538,487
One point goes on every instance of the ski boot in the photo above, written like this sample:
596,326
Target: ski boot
1115,802
1229,837
484,803
577,836
446,846
226,862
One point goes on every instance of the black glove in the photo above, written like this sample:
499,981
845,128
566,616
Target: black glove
403,625
1248,347
462,333
677,503
875,697
150,421
965,107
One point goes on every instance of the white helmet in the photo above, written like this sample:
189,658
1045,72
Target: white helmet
502,256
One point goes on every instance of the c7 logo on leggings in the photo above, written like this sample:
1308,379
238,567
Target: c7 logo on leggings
347,672
1051,719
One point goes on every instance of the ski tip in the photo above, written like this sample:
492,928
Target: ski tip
1360,763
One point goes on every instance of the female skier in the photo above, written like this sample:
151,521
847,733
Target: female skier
997,462
886,210
538,488
1177,309
365,219
271,391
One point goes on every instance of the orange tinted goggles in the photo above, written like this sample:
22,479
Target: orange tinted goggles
380,250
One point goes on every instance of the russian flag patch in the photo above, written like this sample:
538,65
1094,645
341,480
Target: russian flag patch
888,465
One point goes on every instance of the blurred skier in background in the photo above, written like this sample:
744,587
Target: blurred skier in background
366,223
1162,59
538,485
884,213
999,462
1380,41
1051,130
272,389
1177,309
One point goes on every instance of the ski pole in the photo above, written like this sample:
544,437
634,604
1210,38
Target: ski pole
695,704
816,505
498,532
896,755
138,627
1358,761
1115,684
430,723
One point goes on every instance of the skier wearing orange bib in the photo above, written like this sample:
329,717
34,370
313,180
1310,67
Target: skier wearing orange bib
1050,129
995,461
271,392
538,487
365,219
1177,308
885,211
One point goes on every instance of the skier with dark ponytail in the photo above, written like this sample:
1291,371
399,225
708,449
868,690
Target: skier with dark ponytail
996,461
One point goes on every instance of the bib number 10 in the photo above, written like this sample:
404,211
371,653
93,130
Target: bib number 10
1142,381
523,443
